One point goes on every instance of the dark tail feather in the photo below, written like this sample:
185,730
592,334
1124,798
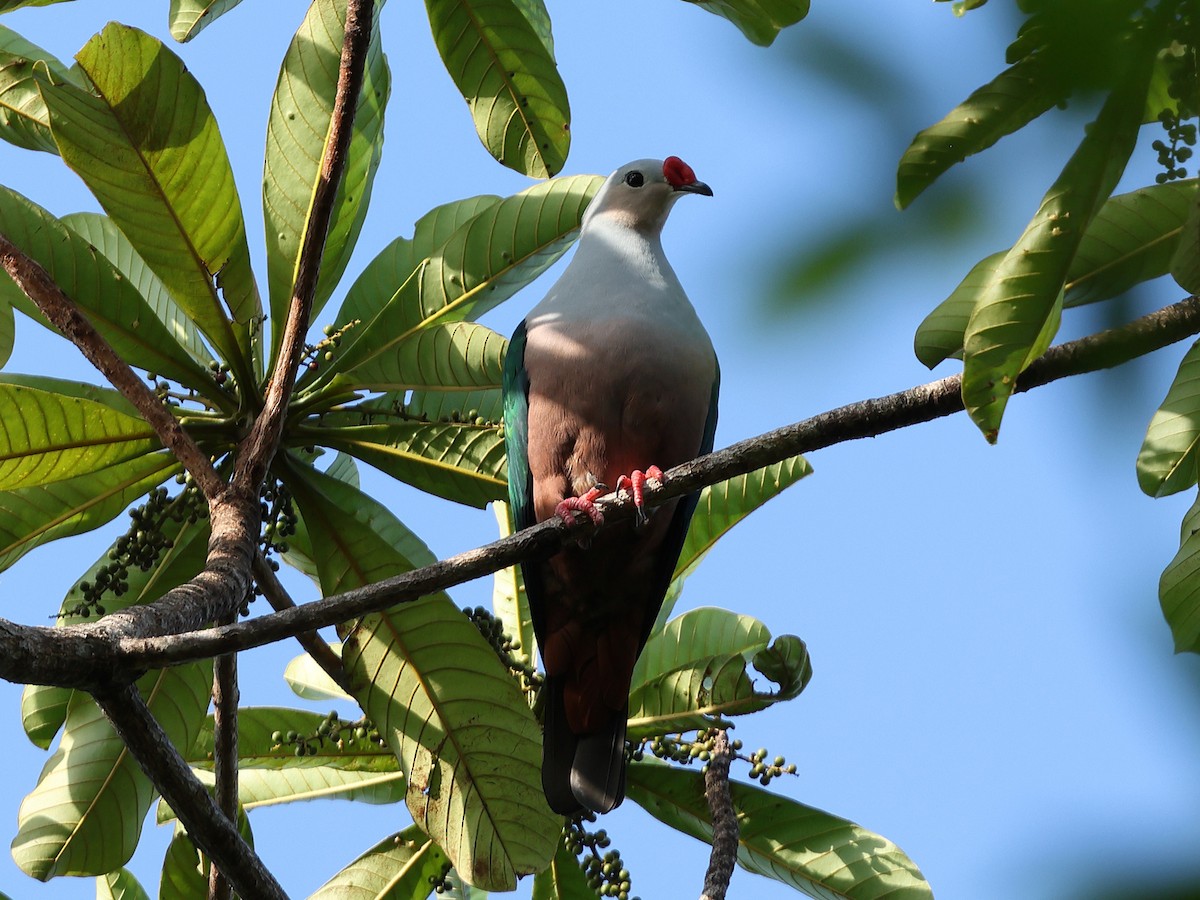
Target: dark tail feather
598,777
558,751
580,773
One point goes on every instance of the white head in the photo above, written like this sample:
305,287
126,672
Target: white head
640,194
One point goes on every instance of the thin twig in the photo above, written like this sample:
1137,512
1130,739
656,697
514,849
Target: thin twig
64,315
225,755
724,820
209,829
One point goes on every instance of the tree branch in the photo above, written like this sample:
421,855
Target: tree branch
225,755
206,825
724,820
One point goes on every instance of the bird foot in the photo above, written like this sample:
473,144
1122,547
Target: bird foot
584,503
635,482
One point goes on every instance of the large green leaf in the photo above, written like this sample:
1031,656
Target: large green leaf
148,147
510,603
455,356
484,261
1017,309
7,5
1005,104
435,689
24,120
44,707
189,17
310,682
759,20
460,461
814,852
185,871
104,236
47,437
1179,587
86,813
720,507
1185,263
563,880
940,334
110,300
120,885
400,867
1166,463
507,75
32,516
697,669
297,135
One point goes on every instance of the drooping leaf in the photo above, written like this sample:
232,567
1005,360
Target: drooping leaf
1018,307
119,885
1007,103
110,301
509,601
24,121
47,437
1166,463
400,867
189,17
185,871
814,852
86,813
696,670
8,325
460,461
940,334
722,506
506,73
148,147
759,20
563,880
297,134
466,740
1185,263
310,682
1179,587
44,707
34,515
9,5
103,235
484,261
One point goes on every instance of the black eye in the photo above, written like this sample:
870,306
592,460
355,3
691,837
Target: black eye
635,179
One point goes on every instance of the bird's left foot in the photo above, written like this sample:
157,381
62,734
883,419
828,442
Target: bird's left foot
635,482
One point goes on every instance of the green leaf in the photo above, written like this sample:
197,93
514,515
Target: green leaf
455,356
483,262
940,334
9,5
506,73
1166,463
148,148
44,707
1019,305
1007,103
400,867
1179,587
466,740
8,328
509,600
24,120
46,437
104,236
119,885
812,851
463,462
189,17
759,20
722,506
563,880
110,301
85,815
35,515
695,670
1185,263
310,682
185,871
297,134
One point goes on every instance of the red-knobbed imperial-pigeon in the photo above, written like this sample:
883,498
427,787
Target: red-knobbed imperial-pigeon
610,374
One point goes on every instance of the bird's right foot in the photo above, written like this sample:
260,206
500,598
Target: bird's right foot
584,503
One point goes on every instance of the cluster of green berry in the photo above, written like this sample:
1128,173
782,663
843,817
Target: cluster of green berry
678,749
443,883
333,731
141,546
1184,88
605,872
760,768
507,647
326,348
278,517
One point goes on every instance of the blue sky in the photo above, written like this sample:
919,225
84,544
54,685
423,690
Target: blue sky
994,687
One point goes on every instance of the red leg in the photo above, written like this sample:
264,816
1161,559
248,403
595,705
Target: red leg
635,483
584,503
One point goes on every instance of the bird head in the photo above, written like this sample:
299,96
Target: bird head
640,194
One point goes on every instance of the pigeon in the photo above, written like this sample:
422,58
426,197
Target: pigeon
609,380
